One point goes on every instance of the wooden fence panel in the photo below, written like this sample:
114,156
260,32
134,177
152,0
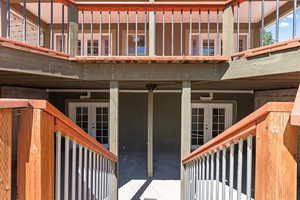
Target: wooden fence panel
5,153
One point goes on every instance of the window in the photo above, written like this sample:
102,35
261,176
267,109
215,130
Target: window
82,118
218,121
102,125
197,126
241,46
208,48
92,50
140,41
79,47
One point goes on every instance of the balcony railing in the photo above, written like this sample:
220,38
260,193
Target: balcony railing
253,159
262,23
97,29
51,157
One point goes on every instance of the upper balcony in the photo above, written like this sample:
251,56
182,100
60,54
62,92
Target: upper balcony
150,31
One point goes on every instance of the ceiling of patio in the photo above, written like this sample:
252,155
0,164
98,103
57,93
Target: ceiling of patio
288,80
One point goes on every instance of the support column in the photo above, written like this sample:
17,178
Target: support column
73,29
114,128
150,135
3,23
152,32
185,129
114,116
228,31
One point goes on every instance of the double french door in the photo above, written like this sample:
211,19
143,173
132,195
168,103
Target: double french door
208,121
92,118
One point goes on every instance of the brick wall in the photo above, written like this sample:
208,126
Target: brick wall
262,97
17,30
22,93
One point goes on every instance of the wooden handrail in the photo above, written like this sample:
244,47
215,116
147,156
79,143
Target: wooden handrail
149,59
268,49
62,123
31,48
171,4
151,6
241,129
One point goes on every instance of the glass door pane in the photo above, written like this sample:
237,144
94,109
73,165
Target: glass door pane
198,127
82,118
102,125
218,121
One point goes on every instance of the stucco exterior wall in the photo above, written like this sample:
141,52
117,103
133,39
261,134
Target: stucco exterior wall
167,116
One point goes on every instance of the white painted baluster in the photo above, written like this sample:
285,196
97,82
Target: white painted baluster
240,172
231,167
58,167
66,174
74,148
249,166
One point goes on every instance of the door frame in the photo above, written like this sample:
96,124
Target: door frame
229,113
91,115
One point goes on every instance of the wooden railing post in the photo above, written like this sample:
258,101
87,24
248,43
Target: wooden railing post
276,165
35,159
5,153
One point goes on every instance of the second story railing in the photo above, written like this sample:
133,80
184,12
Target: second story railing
44,155
263,23
97,29
150,29
253,159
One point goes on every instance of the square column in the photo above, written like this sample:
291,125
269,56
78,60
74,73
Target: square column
186,121
73,29
228,32
150,135
114,117
114,127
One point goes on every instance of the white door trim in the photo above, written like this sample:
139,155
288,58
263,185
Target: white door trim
208,115
91,113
